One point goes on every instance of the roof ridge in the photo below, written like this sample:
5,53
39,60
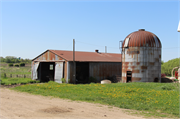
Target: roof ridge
84,51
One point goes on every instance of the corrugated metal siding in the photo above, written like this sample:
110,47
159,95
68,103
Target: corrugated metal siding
58,72
48,56
104,70
71,72
144,62
65,70
34,72
99,70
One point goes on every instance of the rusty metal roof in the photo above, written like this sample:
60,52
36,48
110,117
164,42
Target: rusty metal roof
142,38
86,56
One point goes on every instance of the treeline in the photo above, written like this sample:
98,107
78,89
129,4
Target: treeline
167,67
12,59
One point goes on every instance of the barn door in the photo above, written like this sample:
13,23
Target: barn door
34,70
58,72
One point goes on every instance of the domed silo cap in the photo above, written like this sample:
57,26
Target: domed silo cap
142,38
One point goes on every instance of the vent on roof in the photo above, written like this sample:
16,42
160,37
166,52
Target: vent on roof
141,29
97,51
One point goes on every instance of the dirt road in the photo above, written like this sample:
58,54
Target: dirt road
18,105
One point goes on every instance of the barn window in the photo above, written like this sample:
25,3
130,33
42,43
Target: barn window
51,67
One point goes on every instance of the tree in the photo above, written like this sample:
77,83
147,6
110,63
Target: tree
2,59
167,67
10,59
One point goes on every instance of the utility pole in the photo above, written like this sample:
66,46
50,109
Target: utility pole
121,49
74,71
105,49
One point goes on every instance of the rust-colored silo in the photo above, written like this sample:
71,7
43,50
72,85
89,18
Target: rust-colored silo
141,57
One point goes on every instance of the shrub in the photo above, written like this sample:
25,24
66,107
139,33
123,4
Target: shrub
63,80
92,80
22,64
163,75
16,65
10,64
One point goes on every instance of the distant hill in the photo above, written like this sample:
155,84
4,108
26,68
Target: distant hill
167,67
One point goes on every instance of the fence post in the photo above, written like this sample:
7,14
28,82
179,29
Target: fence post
4,75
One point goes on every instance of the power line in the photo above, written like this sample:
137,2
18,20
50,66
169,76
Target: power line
89,43
171,48
95,45
117,47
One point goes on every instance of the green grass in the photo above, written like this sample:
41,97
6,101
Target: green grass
20,71
158,99
15,70
4,68
14,81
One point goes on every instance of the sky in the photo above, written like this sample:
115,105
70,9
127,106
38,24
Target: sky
28,28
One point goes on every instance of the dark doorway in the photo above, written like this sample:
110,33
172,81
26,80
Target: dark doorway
46,71
82,72
129,76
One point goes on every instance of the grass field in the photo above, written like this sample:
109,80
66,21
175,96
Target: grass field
4,68
153,99
15,81
14,71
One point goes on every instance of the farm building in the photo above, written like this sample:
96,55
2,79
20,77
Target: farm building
57,64
141,57
141,62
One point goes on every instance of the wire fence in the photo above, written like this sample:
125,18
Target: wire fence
5,75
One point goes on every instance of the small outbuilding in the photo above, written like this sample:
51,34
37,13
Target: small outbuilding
57,64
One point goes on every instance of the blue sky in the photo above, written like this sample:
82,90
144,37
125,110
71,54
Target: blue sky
29,28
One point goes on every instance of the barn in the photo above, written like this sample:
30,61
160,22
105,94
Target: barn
57,64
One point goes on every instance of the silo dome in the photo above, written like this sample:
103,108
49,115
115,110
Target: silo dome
141,57
143,38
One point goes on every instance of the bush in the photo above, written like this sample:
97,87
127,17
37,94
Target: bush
92,80
14,81
163,75
22,64
16,65
63,80
10,64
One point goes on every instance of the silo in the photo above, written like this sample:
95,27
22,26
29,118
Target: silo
141,57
